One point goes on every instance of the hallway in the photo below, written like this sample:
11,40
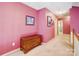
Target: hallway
55,47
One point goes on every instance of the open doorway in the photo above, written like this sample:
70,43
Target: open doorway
60,27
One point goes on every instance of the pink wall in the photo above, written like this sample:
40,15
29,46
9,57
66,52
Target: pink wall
66,25
12,24
43,29
74,13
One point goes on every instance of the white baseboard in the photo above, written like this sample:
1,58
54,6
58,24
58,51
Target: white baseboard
8,53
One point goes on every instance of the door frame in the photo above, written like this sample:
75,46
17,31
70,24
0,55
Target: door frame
72,33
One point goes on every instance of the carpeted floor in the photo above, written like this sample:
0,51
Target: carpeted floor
55,47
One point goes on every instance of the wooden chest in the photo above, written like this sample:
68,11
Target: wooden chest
29,42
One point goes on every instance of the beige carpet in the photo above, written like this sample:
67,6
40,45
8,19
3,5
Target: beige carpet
55,47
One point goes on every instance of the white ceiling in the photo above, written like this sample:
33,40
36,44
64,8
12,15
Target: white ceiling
55,7
76,4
